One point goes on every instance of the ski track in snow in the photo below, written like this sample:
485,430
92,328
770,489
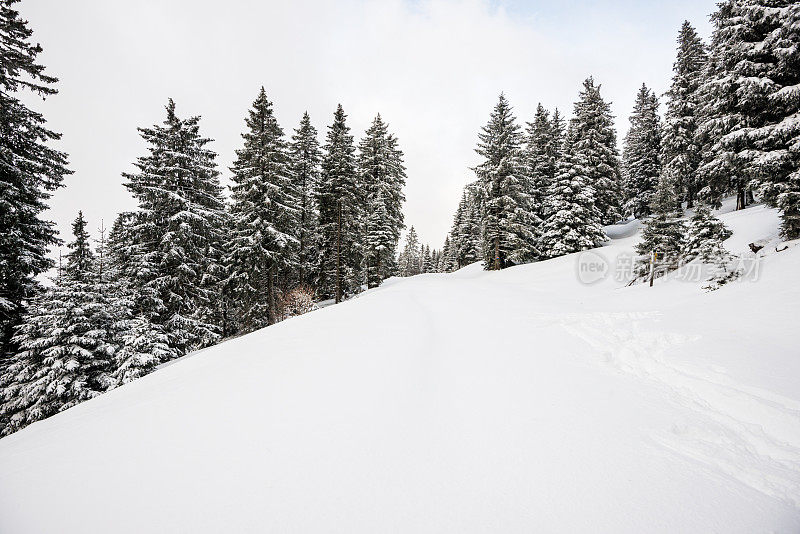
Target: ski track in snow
744,432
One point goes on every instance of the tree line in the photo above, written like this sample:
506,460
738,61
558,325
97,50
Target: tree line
188,267
730,128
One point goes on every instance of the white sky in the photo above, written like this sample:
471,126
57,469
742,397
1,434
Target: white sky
432,68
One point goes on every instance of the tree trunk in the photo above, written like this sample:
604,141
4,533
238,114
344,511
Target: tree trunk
270,297
496,253
339,252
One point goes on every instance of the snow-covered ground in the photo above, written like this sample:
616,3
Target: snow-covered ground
519,401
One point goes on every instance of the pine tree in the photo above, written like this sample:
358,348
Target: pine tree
663,232
641,163
593,140
704,243
340,213
66,343
705,236
465,235
741,83
306,157
383,176
680,149
508,238
771,107
540,163
29,171
174,241
265,214
573,221
409,261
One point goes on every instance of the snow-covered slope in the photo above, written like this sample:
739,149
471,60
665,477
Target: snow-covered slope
519,401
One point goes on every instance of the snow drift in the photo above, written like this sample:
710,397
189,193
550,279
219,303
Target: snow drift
518,401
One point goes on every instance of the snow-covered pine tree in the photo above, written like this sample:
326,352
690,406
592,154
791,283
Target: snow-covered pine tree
705,236
175,236
704,243
641,164
663,233
29,171
383,176
771,106
508,237
465,236
66,343
736,93
572,220
409,261
306,157
539,160
593,140
265,213
340,213
680,152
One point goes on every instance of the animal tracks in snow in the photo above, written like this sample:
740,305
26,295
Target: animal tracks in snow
746,433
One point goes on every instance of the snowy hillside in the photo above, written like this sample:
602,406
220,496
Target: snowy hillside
512,401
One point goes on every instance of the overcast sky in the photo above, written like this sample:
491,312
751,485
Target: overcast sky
433,69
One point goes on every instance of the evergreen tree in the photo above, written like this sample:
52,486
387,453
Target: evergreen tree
540,160
29,171
680,150
705,236
573,222
743,97
174,241
409,261
383,176
593,140
663,232
771,107
465,236
704,243
340,206
265,214
641,163
306,158
508,238
66,343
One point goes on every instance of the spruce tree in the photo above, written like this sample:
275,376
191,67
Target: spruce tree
572,219
465,235
265,214
410,260
704,244
382,175
744,98
540,163
663,233
340,213
641,164
680,149
508,223
593,140
66,343
705,236
306,157
771,106
175,240
29,171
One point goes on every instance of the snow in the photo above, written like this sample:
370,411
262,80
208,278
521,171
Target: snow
518,401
